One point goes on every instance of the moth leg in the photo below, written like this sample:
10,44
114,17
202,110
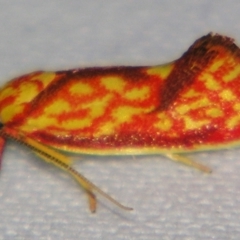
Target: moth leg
63,162
92,201
188,161
2,144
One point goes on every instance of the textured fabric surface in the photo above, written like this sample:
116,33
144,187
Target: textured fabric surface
170,201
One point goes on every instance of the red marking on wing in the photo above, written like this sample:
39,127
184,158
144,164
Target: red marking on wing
191,64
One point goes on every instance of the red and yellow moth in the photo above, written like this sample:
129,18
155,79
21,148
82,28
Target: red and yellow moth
190,104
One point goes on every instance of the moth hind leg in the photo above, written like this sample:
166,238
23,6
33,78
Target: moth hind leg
187,161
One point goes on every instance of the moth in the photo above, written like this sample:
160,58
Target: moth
190,104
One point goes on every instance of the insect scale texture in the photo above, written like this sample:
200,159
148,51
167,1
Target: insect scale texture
190,104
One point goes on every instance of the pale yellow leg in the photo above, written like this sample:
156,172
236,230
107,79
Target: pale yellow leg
188,161
63,162
92,201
